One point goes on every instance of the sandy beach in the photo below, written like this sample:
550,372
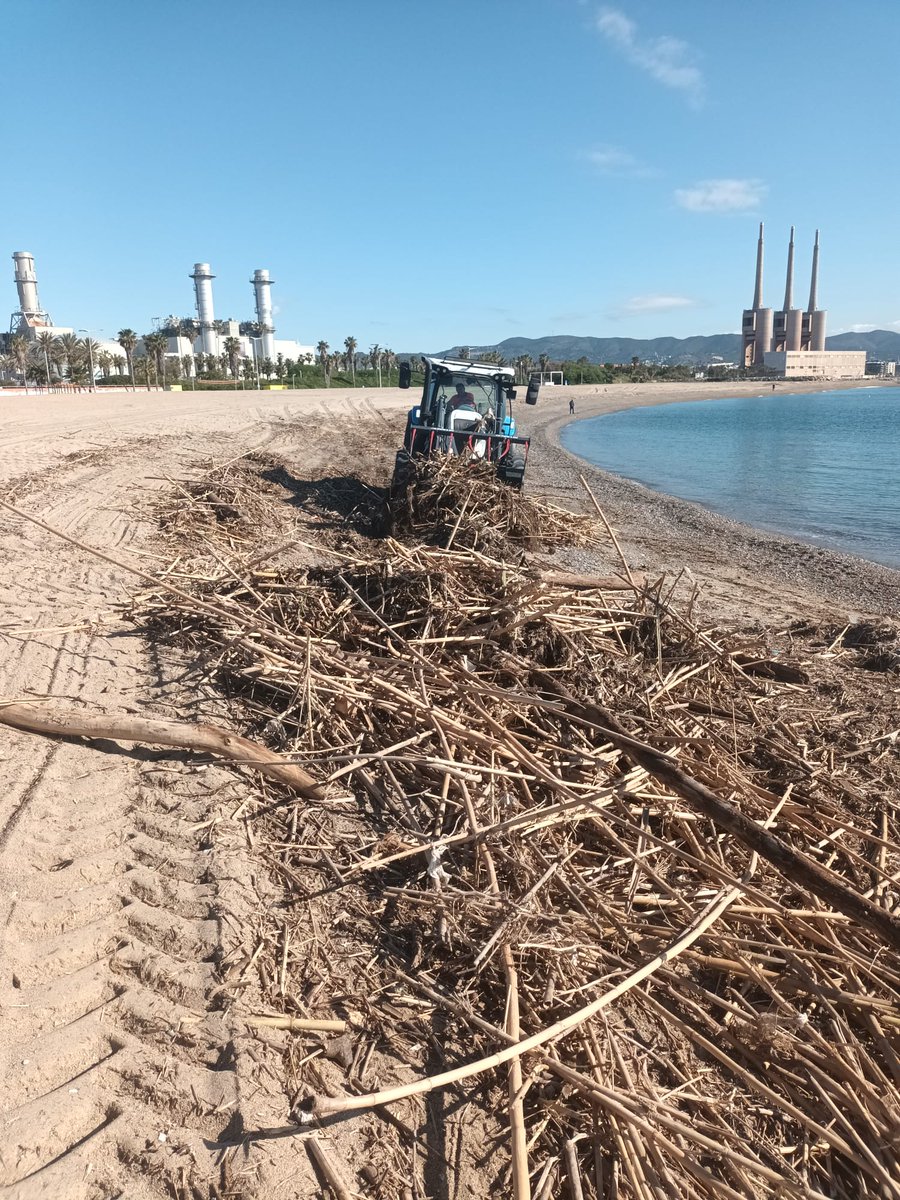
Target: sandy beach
149,851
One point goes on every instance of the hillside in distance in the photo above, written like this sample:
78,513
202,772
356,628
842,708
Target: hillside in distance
691,351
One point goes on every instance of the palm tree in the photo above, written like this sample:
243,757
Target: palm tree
18,349
78,370
70,348
104,362
128,339
375,353
36,370
543,363
350,347
45,342
92,350
322,351
118,363
187,365
232,348
155,345
189,328
58,357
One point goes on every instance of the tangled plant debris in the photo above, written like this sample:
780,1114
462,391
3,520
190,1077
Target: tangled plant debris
514,886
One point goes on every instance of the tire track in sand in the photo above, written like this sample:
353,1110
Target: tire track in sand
121,1067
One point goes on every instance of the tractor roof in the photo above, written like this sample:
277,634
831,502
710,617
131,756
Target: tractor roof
461,367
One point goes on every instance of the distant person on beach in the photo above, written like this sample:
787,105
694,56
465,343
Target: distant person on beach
572,408
773,387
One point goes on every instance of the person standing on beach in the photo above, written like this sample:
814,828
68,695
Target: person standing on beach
572,408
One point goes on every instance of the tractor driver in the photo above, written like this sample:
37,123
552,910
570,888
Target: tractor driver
464,418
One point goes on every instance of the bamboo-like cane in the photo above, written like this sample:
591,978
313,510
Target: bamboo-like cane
794,865
323,1106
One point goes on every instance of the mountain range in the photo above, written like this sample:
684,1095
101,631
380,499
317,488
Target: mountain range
692,351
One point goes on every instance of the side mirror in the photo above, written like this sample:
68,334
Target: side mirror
534,386
405,374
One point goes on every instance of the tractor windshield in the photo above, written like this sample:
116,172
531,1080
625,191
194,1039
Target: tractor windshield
454,390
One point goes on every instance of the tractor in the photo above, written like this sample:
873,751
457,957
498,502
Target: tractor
466,410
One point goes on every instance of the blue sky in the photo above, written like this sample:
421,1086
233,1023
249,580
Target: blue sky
420,173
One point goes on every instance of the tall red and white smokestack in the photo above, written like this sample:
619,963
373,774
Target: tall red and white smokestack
757,294
789,282
814,281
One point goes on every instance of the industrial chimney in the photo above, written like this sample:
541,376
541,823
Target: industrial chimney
262,287
203,277
30,312
815,316
788,333
757,325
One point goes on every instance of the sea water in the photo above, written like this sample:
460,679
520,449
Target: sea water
822,467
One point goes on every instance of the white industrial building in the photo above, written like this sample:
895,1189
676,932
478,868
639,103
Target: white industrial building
30,320
791,340
817,364
211,340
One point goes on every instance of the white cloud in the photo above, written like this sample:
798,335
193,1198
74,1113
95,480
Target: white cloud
655,303
611,160
665,59
722,195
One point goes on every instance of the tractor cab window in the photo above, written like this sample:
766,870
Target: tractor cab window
461,389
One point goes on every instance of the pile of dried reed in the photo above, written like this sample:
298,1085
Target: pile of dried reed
467,506
627,867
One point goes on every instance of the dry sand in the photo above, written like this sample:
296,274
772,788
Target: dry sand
126,893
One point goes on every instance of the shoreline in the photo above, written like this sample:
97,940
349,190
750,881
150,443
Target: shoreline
745,573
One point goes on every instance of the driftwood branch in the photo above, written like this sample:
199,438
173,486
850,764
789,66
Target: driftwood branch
207,739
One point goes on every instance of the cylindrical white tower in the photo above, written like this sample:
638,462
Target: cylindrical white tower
203,277
26,283
262,287
793,328
817,339
765,328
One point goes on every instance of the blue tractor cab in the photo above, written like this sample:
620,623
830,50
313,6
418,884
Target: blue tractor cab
466,410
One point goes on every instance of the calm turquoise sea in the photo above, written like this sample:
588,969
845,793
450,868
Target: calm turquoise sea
823,467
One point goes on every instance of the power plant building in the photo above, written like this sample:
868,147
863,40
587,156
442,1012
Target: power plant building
210,340
185,338
791,341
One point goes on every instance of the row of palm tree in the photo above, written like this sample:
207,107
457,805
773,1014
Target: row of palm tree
57,359
50,359
378,359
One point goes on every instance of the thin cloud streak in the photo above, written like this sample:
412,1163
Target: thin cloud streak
611,160
665,59
639,306
722,195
